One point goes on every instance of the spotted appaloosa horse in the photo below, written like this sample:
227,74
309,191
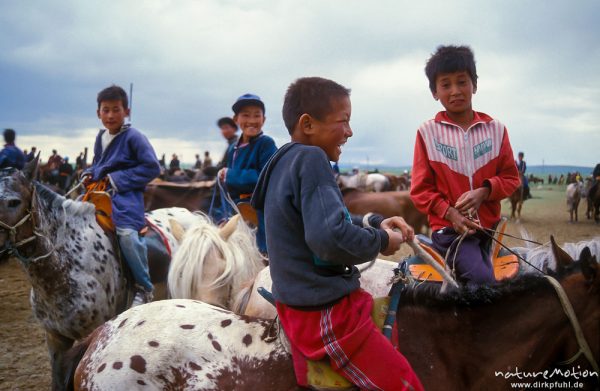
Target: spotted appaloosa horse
212,264
77,280
459,340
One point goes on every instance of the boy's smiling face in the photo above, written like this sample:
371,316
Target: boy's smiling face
250,119
455,90
333,131
112,114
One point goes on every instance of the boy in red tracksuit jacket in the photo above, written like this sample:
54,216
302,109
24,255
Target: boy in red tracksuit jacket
463,167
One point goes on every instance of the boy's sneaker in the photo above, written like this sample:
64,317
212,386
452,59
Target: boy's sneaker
141,297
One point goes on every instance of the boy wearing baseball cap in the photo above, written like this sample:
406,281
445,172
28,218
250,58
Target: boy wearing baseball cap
247,157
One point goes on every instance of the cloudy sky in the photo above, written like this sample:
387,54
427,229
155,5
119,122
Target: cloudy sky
189,60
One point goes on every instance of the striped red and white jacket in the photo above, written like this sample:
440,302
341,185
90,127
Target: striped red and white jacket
450,161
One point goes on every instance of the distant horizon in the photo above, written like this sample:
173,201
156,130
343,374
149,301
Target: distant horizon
531,169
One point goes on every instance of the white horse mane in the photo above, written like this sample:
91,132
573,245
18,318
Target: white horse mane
202,244
543,258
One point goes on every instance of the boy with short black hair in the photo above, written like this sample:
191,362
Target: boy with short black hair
228,129
247,157
314,246
11,155
124,156
463,167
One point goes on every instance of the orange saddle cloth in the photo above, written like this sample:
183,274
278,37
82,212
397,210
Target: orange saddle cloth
97,195
505,265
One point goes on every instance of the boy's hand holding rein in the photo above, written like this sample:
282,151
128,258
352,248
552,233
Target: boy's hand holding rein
461,223
398,232
469,202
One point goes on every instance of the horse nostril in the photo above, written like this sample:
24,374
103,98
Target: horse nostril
14,203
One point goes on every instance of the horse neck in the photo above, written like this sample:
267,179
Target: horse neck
525,329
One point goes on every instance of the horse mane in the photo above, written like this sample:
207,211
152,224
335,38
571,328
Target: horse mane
203,243
4,172
428,295
56,214
543,258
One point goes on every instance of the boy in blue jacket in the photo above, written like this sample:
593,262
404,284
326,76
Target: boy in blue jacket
11,155
247,157
124,156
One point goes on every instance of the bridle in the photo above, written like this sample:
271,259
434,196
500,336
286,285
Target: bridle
12,246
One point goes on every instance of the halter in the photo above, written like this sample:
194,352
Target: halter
11,247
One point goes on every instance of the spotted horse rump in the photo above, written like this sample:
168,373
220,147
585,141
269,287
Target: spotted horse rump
201,347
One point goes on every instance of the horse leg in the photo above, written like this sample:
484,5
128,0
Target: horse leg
57,347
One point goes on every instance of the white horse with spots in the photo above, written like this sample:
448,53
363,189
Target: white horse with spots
212,264
190,345
367,182
77,279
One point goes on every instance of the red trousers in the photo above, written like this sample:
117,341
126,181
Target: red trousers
346,334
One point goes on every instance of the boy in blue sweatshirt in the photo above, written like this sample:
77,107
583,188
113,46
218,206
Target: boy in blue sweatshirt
247,157
124,156
314,245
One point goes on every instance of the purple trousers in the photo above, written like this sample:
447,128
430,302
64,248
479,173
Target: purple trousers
473,265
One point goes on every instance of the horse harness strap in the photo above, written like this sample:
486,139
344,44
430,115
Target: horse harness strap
584,348
13,248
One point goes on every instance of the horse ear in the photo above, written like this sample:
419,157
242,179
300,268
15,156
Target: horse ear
226,231
31,168
589,265
562,258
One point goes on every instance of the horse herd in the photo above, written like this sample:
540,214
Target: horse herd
216,333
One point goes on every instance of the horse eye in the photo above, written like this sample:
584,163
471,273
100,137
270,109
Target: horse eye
14,203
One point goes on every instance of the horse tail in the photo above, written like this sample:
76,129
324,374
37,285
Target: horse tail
70,360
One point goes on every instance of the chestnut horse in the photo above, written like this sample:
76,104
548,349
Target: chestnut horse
387,204
516,202
465,339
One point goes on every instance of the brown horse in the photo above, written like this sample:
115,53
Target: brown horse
191,195
463,340
593,202
516,202
387,204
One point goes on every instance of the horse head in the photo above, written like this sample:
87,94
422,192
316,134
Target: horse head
15,206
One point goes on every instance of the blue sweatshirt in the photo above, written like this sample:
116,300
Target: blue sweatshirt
244,164
12,156
312,242
130,163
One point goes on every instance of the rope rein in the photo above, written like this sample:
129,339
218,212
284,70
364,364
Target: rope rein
584,348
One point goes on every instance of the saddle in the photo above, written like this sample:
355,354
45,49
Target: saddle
506,265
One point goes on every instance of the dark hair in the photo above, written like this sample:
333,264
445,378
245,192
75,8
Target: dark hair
113,92
310,95
227,121
449,59
9,135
